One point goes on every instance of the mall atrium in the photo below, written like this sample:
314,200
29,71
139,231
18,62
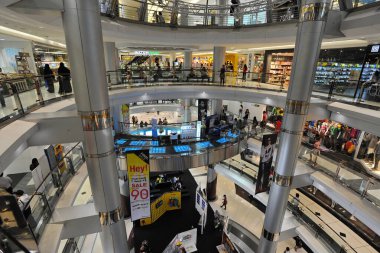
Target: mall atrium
239,126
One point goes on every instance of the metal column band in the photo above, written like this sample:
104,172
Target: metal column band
273,237
291,132
282,180
100,155
296,107
96,120
314,12
111,217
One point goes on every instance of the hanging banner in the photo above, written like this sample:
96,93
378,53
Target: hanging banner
265,165
202,109
138,178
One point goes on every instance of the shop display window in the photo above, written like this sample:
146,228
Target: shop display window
279,68
333,136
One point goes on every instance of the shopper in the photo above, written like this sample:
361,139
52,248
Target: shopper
49,78
296,202
64,79
234,6
141,124
23,200
245,70
224,202
375,78
315,152
263,125
145,124
240,111
6,183
2,101
265,116
165,121
278,126
255,123
133,120
160,121
223,75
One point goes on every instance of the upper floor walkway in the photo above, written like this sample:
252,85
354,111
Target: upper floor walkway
167,23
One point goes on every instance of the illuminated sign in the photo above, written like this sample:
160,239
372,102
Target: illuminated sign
375,48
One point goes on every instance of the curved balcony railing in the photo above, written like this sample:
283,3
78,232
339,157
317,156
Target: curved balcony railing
184,14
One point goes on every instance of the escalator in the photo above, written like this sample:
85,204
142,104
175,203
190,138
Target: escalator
138,60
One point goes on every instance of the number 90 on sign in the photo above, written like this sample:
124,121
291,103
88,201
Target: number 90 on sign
140,194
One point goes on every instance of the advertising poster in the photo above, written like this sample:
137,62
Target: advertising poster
188,131
166,202
202,109
138,178
265,165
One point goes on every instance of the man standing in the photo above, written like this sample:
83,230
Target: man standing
224,202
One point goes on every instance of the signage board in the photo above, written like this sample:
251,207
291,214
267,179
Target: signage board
138,178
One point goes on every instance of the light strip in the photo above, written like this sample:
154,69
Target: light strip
16,33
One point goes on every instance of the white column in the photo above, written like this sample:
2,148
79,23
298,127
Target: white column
310,31
112,61
172,58
223,15
111,56
84,39
216,106
219,59
187,110
188,60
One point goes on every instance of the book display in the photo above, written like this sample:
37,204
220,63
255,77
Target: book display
280,68
368,71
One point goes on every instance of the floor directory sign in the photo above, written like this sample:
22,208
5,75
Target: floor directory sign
138,178
265,165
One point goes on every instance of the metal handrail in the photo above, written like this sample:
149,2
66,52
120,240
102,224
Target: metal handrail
37,192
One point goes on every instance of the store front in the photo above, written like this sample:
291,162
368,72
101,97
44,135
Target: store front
52,56
277,67
344,72
361,146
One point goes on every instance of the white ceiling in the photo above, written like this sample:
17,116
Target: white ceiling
48,26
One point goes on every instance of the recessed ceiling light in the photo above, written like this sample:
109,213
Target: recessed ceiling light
41,27
2,39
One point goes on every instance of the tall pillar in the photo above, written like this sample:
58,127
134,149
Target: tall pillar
83,32
219,59
188,60
216,106
187,110
310,31
211,183
116,112
172,58
223,13
112,61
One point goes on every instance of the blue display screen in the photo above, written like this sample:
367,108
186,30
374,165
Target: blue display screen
120,141
130,149
222,140
154,143
157,150
204,144
232,135
137,143
182,148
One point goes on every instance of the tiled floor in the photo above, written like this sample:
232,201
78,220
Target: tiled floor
238,209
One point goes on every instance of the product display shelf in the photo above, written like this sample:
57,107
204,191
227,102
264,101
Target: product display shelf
280,69
368,70
340,73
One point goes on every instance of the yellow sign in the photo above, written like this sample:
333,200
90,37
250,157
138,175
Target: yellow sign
58,151
138,178
166,202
